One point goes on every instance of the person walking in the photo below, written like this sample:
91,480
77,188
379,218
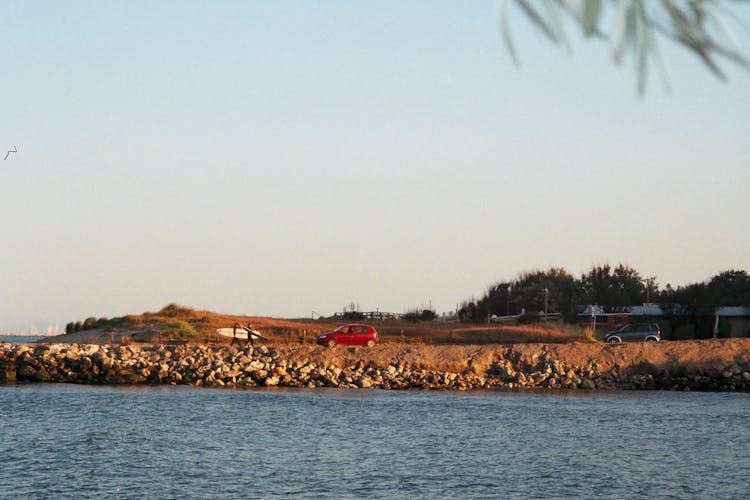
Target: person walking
234,334
249,330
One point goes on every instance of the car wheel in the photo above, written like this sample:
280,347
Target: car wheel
370,343
614,340
651,339
331,343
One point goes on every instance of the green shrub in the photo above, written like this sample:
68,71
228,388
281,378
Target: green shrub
89,323
181,330
69,328
77,326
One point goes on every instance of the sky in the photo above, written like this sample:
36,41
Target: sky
288,158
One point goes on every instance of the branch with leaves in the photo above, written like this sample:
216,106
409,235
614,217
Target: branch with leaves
701,26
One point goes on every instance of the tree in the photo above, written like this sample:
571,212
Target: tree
560,294
526,293
618,287
730,288
697,25
419,315
470,311
498,299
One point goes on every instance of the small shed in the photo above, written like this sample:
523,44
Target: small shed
738,318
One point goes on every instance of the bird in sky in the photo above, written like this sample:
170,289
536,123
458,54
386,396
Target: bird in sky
14,150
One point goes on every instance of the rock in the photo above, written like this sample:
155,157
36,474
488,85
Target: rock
364,382
7,373
255,365
587,384
217,365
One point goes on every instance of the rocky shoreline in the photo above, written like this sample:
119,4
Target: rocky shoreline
486,367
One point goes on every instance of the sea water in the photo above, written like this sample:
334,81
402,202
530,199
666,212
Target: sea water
20,339
69,441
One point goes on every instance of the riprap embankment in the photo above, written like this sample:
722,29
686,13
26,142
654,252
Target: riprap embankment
695,365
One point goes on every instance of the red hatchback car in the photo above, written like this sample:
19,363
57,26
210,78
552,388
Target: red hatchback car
353,334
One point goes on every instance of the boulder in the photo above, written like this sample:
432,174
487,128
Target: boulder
7,372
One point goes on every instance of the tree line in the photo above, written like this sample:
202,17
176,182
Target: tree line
91,323
612,288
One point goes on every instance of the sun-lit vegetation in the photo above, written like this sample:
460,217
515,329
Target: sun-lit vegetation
494,318
557,291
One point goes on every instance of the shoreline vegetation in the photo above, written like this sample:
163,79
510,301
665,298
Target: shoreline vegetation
177,323
178,345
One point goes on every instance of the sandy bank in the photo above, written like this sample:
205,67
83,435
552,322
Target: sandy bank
478,359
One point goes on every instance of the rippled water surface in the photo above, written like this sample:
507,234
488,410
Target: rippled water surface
169,442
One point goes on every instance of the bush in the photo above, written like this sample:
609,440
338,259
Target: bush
89,323
428,315
77,326
417,315
412,316
69,328
181,330
353,316
174,310
126,321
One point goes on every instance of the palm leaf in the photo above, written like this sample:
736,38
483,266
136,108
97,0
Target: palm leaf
537,19
590,18
505,30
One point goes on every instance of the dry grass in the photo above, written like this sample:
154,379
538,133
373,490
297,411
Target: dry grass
460,333
589,335
156,327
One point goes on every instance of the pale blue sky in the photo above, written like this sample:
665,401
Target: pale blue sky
277,158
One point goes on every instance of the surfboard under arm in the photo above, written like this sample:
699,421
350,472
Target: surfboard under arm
241,333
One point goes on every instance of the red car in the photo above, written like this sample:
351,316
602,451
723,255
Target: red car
353,334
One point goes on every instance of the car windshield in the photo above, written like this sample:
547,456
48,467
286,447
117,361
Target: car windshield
341,328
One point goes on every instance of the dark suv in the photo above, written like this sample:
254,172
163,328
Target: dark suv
635,332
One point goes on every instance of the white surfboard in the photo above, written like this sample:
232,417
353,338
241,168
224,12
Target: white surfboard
241,333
